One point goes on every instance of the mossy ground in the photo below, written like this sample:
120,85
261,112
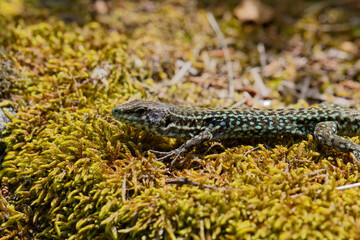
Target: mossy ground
73,172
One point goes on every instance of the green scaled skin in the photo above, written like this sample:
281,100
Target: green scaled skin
327,123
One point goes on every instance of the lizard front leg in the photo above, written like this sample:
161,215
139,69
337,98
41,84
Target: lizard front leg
187,146
325,133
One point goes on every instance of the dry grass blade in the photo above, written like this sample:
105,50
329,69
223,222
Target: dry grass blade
219,34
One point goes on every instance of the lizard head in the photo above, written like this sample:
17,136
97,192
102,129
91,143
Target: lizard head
145,115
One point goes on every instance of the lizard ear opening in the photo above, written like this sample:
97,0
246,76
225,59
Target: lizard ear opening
167,121
156,118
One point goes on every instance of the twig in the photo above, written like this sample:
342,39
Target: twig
353,185
262,53
264,92
225,49
185,180
314,173
180,74
123,192
305,88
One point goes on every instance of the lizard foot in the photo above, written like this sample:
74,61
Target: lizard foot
355,156
167,155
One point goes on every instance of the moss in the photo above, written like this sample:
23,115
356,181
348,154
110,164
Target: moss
73,172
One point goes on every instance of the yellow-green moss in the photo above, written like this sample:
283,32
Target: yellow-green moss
73,172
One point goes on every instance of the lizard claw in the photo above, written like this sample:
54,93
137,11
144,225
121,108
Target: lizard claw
159,152
175,153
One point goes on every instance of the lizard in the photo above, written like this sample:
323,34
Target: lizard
328,123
